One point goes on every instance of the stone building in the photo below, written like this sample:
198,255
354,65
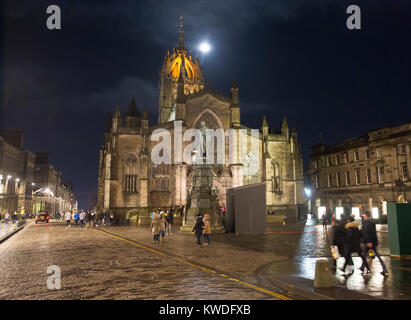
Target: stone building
365,171
24,177
50,194
16,173
129,181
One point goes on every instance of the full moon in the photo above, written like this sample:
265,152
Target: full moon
204,47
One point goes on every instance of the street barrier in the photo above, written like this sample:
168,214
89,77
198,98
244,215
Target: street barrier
323,274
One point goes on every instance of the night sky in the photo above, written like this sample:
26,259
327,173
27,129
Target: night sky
291,58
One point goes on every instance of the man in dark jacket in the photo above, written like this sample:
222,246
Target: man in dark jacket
352,244
339,237
170,221
369,240
198,229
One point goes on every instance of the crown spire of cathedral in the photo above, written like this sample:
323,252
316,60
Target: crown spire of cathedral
181,35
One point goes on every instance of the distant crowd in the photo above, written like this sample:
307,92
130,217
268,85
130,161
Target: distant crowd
86,218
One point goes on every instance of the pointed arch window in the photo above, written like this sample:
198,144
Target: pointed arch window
276,178
130,179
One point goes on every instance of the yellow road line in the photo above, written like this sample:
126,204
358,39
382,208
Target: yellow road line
269,292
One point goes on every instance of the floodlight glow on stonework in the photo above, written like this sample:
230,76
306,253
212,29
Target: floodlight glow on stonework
356,212
338,212
321,211
375,213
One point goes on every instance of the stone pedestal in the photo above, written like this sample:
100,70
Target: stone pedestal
202,200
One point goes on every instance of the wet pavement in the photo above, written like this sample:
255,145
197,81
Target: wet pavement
94,265
284,254
289,252
5,228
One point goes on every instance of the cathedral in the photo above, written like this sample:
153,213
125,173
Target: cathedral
130,183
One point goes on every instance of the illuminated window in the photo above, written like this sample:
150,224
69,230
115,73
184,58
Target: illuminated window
380,174
276,178
404,171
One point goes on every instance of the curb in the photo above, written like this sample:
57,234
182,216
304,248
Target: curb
8,235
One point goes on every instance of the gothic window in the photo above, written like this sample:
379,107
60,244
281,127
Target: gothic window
130,179
276,179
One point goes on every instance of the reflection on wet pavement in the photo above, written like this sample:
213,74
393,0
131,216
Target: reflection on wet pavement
314,244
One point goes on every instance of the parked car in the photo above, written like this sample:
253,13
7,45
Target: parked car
42,216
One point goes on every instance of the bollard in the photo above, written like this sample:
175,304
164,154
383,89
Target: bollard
322,274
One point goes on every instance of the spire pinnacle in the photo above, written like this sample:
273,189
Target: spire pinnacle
181,34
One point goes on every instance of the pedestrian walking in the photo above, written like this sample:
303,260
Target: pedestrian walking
82,216
338,231
207,229
324,221
352,244
7,218
111,218
198,229
163,226
155,228
87,219
67,216
93,216
170,221
76,218
369,241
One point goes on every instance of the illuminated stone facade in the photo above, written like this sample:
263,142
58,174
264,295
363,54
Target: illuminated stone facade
129,182
364,171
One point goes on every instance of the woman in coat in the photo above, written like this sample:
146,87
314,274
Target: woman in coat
155,228
352,244
163,226
207,229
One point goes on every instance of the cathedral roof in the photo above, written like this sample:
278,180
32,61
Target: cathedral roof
132,110
213,92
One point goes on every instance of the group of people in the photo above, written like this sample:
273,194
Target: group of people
88,218
161,223
202,229
351,237
7,218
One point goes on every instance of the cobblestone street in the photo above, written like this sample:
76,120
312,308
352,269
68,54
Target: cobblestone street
97,266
